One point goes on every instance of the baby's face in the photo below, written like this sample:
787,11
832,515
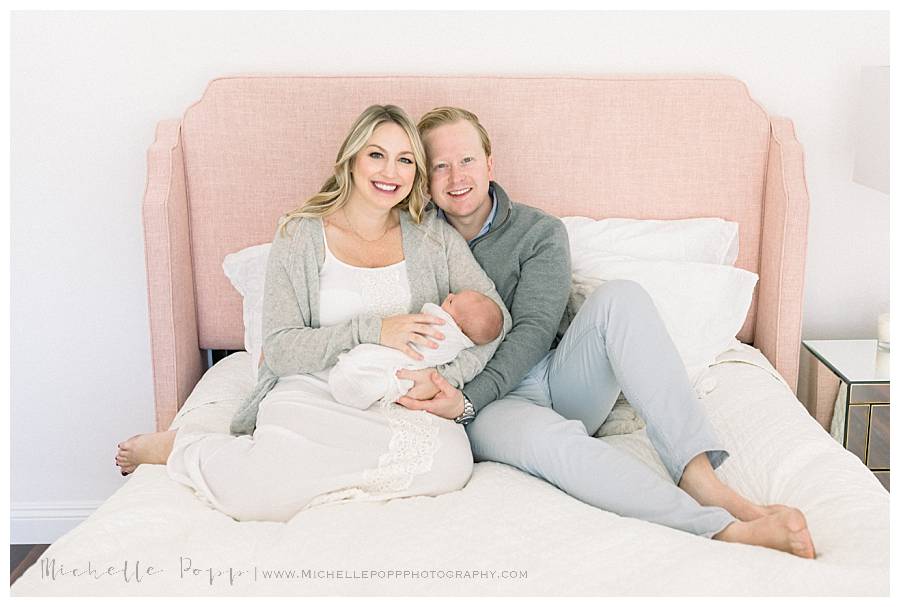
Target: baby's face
455,303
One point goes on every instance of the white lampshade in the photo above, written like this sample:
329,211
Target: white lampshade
873,148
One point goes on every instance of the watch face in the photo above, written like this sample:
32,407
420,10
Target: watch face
468,413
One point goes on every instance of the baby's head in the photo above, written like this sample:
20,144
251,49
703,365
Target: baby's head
477,315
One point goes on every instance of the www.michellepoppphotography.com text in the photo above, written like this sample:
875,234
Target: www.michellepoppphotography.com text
135,572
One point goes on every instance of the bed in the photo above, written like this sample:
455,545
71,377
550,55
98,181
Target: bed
621,146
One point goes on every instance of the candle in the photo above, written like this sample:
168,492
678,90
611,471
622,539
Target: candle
882,364
884,331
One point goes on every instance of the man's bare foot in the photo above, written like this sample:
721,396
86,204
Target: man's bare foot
150,448
701,483
783,530
758,511
773,508
743,509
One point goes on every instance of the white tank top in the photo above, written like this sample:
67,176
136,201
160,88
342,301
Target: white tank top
347,291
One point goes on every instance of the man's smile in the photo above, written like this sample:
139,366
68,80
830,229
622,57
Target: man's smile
460,192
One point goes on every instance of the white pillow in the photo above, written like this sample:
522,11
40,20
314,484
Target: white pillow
246,270
703,240
702,305
592,241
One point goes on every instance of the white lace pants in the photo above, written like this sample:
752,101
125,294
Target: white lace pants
308,450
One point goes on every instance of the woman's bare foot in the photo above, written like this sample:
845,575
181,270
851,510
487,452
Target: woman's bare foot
150,448
783,530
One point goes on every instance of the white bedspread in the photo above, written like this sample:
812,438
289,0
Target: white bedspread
504,520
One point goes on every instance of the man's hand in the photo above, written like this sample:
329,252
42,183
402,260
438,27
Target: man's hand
424,388
448,403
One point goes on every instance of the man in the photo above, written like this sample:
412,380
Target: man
536,407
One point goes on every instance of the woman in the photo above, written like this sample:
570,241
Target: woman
345,268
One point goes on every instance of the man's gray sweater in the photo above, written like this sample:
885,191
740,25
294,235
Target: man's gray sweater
526,254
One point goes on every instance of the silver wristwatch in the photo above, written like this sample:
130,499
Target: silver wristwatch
468,413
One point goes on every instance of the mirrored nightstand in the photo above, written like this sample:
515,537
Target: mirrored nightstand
860,413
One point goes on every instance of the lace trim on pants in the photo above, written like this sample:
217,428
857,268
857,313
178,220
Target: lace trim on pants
414,441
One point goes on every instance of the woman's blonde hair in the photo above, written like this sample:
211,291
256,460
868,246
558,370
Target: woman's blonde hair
336,190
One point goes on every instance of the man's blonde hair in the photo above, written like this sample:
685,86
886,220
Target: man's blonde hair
440,116
336,190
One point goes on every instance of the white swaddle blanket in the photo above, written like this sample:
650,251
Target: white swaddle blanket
366,374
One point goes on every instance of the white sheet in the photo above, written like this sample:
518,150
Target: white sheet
503,520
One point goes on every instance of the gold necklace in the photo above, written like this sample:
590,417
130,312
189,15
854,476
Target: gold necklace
360,236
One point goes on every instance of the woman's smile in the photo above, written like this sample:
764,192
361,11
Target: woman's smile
386,187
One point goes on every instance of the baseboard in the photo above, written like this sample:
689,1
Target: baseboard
46,522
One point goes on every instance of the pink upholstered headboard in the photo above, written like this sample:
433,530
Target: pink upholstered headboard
607,146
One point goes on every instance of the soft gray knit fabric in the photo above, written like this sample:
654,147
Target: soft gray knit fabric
526,254
438,262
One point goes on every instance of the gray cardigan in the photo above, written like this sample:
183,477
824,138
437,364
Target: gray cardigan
438,261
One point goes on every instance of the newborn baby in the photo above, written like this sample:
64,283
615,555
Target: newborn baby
366,374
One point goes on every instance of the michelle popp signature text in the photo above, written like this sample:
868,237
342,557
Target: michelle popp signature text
137,572
130,572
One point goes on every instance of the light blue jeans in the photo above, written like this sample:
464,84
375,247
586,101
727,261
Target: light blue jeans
617,342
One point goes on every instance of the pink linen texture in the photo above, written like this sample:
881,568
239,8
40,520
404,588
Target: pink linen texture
636,146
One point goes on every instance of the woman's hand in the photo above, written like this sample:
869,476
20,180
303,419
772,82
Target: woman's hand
404,329
424,387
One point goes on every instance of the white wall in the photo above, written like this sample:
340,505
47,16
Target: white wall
88,89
